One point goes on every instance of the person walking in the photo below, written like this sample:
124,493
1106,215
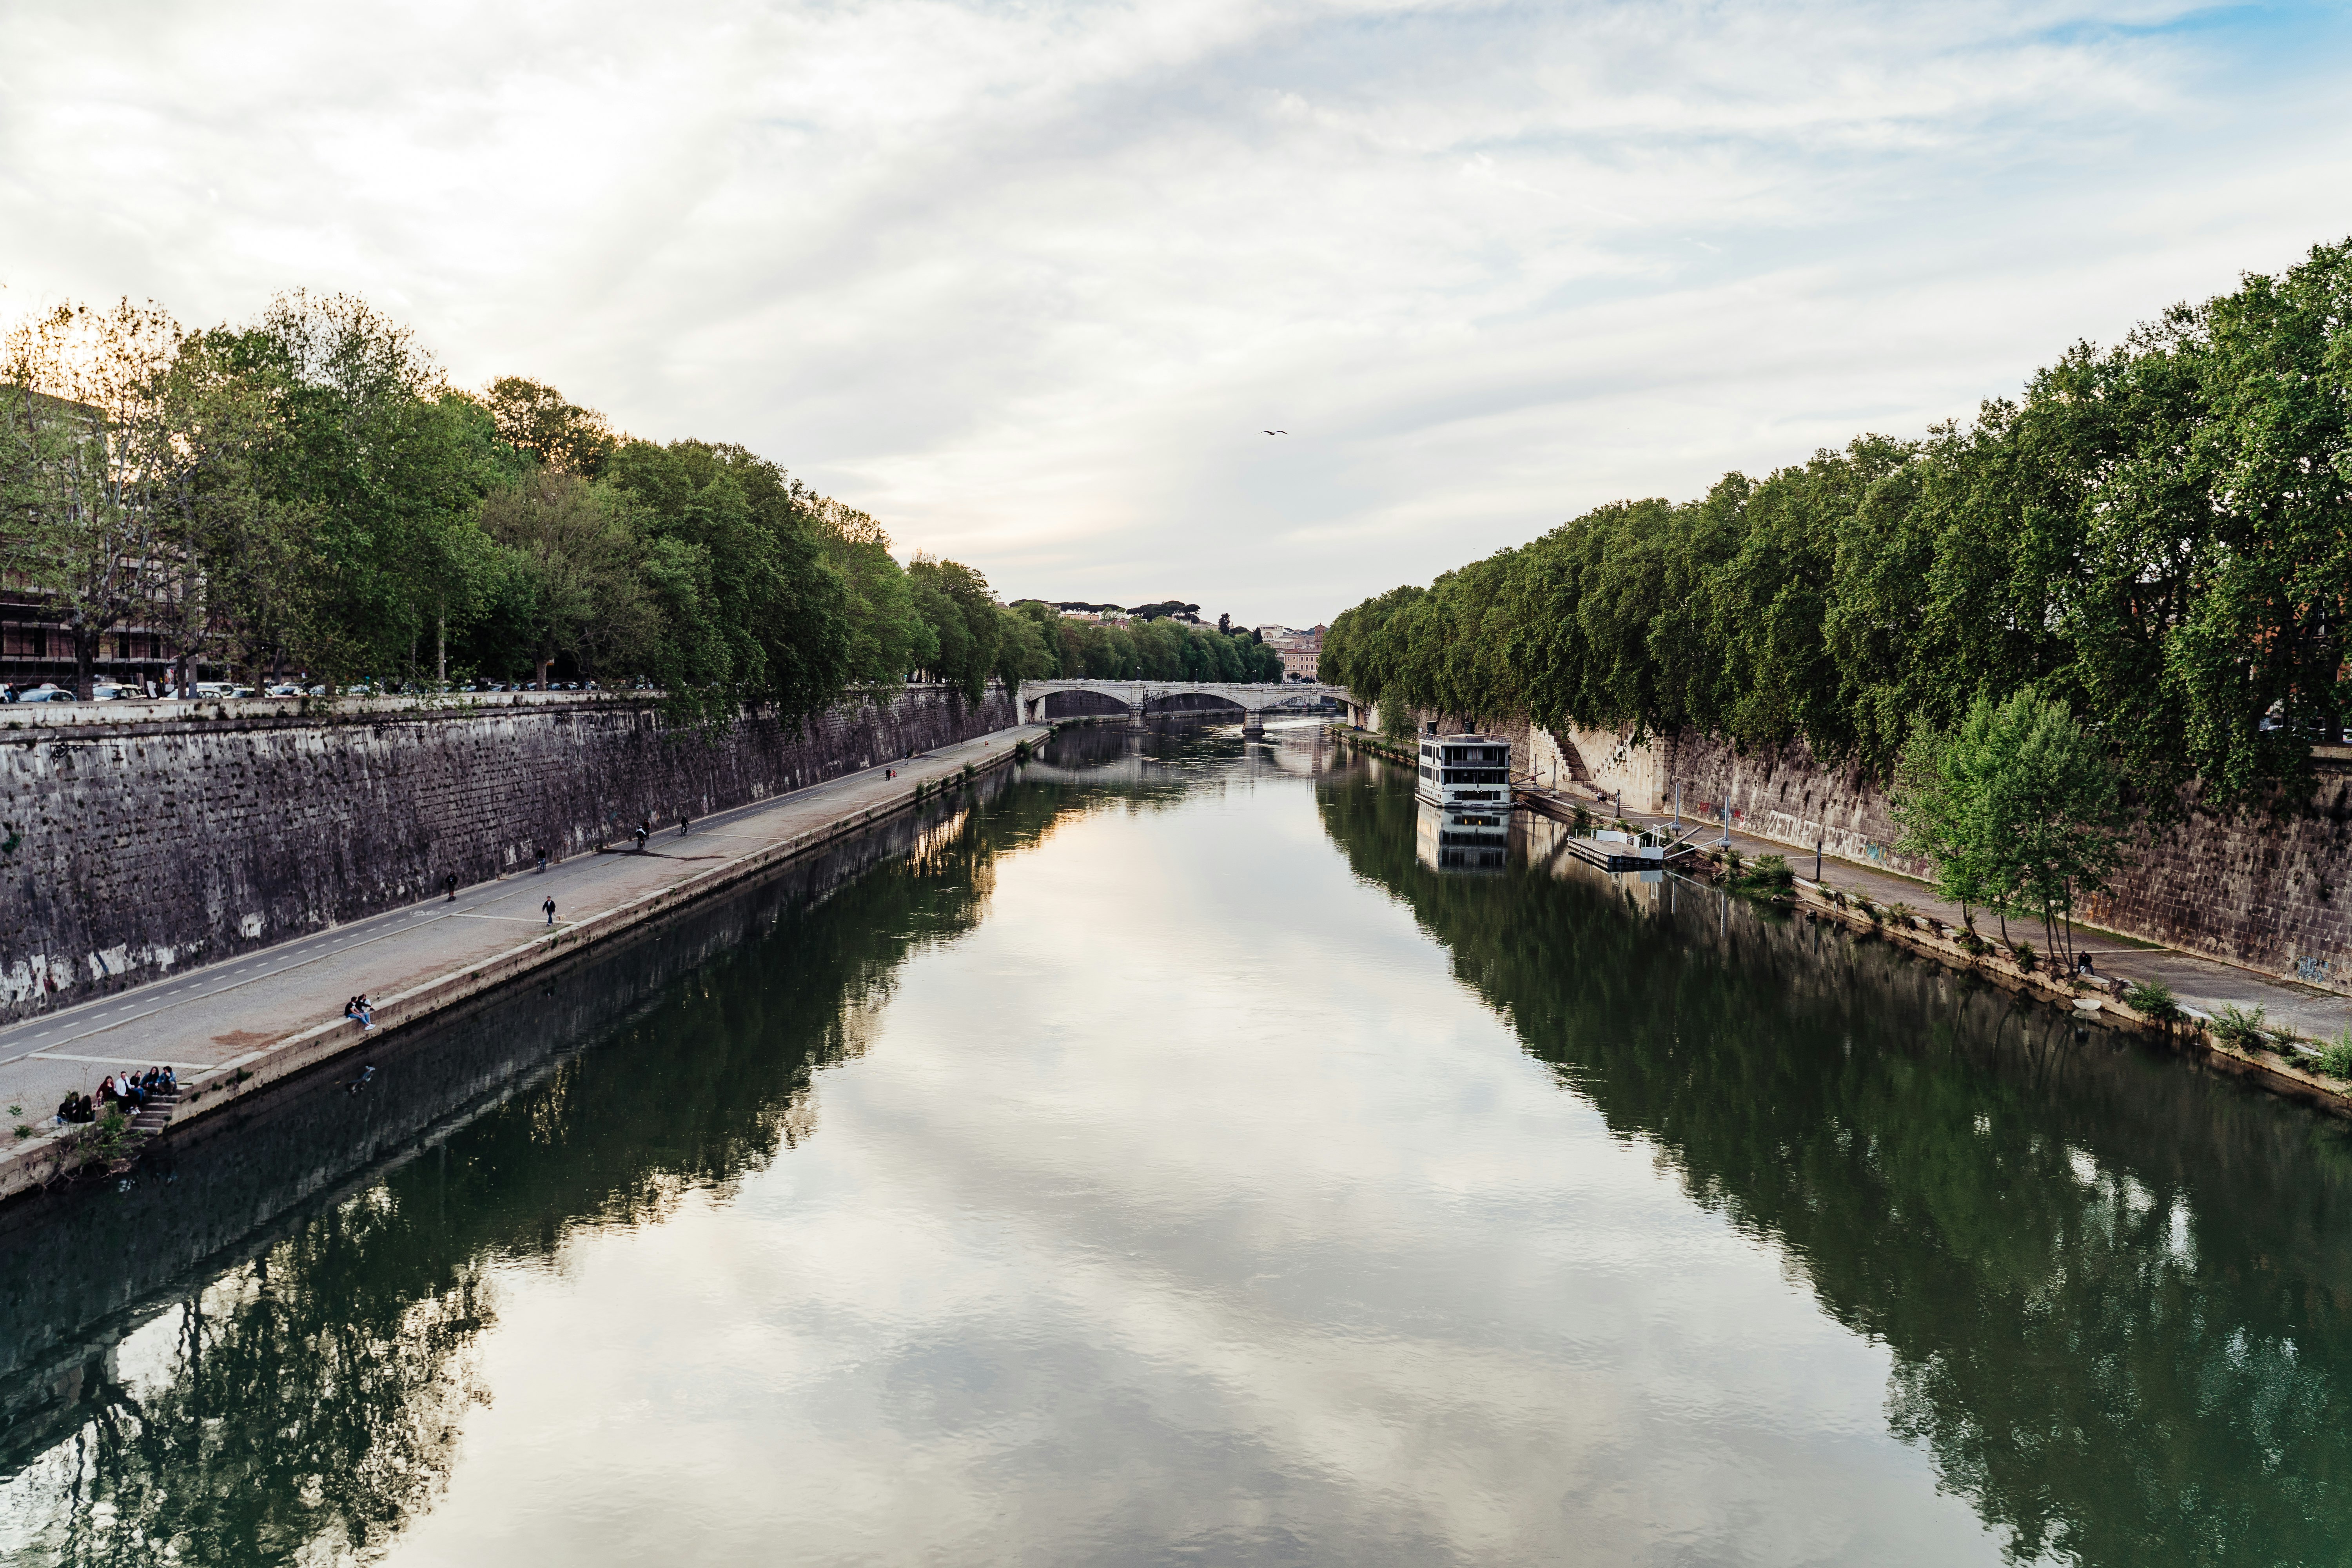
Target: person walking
541,851
641,838
450,884
682,820
550,907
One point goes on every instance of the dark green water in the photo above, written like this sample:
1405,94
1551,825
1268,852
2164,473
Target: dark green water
1149,1160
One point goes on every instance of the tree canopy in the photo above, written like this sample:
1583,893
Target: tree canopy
307,493
2157,534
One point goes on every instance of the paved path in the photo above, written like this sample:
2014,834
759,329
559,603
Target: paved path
2206,984
208,1020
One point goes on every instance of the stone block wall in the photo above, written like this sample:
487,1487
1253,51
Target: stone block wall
2268,889
128,851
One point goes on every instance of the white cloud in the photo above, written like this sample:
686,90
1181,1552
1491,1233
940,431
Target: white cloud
1027,281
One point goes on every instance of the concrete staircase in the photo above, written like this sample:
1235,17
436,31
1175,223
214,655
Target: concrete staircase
152,1117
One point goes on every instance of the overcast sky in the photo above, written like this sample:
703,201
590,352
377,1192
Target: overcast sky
1027,281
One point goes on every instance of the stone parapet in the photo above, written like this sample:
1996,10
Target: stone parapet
139,838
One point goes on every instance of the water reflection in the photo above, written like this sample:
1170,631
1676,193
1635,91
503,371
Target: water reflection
1090,1171
2117,1291
1455,838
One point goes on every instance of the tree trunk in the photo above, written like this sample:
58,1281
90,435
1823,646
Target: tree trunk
441,648
85,662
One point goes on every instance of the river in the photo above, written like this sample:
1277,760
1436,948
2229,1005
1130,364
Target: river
1151,1158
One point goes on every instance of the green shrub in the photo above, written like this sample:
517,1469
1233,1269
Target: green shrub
2025,956
2241,1027
2335,1058
1767,876
2153,999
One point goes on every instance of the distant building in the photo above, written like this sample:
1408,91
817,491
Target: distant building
1301,651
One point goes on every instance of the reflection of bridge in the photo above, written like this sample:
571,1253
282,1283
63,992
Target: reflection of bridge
1252,705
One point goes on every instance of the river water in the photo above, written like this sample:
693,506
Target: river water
1152,1159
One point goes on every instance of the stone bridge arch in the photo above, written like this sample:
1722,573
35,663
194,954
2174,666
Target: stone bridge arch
1080,702
1208,703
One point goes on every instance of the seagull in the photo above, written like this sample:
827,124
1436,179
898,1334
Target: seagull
1277,432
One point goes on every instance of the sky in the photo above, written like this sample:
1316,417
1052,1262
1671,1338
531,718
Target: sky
1029,281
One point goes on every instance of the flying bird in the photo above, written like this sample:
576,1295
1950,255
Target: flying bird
1277,432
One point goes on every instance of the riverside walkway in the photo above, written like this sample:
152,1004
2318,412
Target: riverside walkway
2204,984
230,1027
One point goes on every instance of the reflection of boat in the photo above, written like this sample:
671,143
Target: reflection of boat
1463,838
1467,771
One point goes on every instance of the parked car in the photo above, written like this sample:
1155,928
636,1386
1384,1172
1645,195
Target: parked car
285,689
45,692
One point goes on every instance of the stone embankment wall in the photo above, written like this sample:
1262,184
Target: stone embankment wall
130,848
2270,891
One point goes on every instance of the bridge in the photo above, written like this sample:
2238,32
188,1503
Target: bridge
1251,705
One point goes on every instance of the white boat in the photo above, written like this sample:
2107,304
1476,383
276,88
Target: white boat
1465,771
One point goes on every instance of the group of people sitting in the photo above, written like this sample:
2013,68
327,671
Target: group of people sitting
126,1092
359,1008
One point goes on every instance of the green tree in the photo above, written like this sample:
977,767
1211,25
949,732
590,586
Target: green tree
2021,809
576,558
77,414
378,471
752,612
887,636
954,599
533,418
2264,638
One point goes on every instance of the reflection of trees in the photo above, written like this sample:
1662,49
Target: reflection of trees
314,1394
2116,1290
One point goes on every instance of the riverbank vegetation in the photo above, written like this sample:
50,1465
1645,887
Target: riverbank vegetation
2020,810
2153,534
1153,649
308,493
